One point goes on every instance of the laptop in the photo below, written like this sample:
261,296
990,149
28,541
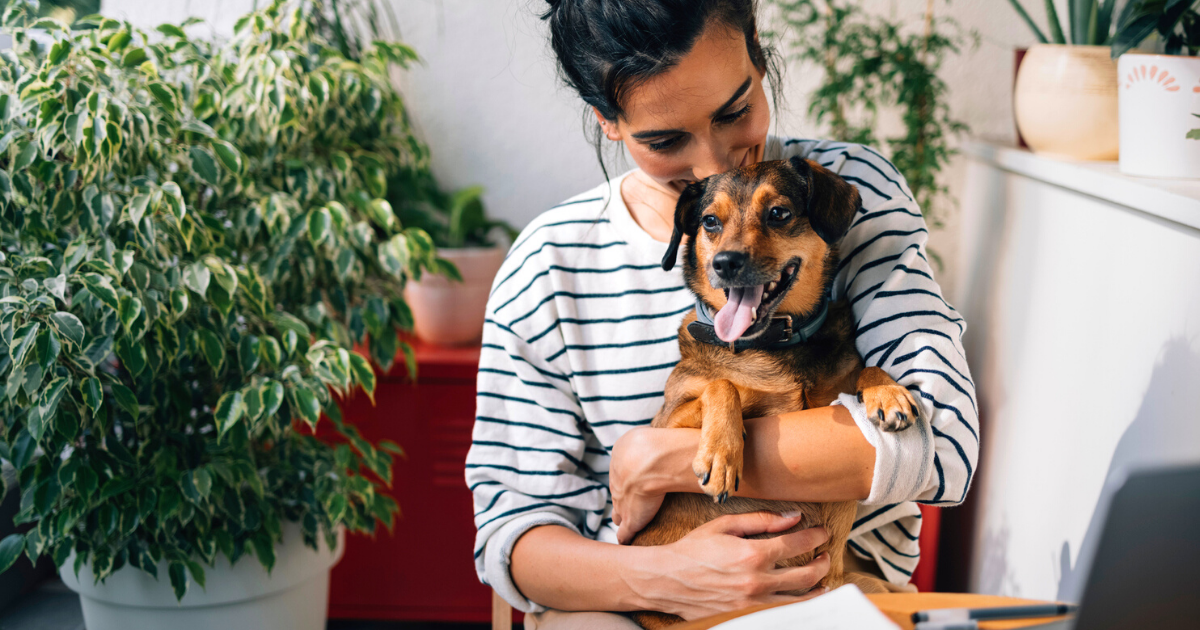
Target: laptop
1145,574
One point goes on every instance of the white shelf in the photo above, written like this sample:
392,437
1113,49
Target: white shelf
1176,200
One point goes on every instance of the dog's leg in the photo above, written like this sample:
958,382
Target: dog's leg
889,405
718,461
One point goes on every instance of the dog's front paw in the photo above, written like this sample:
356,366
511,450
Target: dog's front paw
890,407
718,464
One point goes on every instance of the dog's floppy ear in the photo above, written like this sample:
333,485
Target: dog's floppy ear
687,221
832,201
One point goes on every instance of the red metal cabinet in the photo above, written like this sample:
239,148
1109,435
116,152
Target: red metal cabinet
424,569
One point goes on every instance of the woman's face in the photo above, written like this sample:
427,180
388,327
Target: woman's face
706,115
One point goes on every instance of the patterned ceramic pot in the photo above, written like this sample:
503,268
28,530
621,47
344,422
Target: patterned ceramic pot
1066,101
1159,95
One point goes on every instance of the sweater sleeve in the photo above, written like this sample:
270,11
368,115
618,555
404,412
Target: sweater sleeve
526,465
905,327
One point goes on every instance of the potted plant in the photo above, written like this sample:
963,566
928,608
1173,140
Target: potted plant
449,305
192,238
1065,99
1159,92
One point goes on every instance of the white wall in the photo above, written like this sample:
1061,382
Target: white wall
1085,354
488,102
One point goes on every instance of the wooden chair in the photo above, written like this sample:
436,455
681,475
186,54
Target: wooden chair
501,613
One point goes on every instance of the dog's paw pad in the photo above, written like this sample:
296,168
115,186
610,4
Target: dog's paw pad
890,407
719,468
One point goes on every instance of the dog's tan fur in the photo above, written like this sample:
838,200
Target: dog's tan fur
714,388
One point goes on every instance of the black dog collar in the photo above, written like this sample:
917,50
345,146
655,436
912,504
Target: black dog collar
782,332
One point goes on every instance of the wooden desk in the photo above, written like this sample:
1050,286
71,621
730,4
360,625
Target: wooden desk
899,607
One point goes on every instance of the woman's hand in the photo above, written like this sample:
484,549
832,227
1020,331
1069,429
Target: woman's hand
646,464
716,569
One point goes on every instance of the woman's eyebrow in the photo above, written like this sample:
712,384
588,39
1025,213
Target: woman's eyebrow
655,133
736,95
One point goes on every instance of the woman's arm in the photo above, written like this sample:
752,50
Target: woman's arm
812,455
711,570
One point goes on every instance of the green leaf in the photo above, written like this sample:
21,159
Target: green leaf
10,549
125,399
69,327
230,408
178,573
102,289
380,212
248,354
22,341
230,157
364,374
133,57
196,276
57,286
58,52
213,349
131,308
319,221
336,508
174,197
137,208
25,156
205,165
1193,134
306,405
170,30
74,126
165,96
264,548
202,481
272,397
93,394
287,321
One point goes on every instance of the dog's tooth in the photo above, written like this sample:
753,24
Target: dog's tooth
771,286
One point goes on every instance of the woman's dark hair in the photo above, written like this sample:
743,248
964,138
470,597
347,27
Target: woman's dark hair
605,48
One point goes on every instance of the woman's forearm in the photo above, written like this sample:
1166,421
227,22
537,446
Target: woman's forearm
810,455
557,568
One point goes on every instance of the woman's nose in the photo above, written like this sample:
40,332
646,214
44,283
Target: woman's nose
711,162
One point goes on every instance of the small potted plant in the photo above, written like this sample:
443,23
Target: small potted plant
1065,99
192,240
449,304
1159,92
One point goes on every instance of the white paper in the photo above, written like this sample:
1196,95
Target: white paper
844,608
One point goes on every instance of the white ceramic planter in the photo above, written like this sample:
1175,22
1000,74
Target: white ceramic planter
1065,101
452,313
294,596
1159,94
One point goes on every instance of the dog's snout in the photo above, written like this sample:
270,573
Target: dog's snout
729,264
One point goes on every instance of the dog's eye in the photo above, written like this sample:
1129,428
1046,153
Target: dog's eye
778,214
711,222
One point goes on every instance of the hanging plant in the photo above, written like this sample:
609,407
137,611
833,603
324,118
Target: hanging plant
869,64
193,237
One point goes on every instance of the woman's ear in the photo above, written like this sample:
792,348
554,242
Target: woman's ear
687,220
609,127
832,201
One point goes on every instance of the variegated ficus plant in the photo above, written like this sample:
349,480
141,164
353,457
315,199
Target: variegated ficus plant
193,240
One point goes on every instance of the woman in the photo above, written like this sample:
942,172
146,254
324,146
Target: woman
581,335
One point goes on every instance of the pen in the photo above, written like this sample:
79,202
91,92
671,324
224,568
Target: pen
946,615
969,624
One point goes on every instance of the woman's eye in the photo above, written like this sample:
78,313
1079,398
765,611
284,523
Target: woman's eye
710,222
663,145
778,214
729,118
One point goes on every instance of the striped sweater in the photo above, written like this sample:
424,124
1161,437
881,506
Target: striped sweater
581,335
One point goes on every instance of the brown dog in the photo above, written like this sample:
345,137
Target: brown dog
760,254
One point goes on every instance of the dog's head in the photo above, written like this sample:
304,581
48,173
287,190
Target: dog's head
761,241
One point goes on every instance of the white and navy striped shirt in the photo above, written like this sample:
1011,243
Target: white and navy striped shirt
581,335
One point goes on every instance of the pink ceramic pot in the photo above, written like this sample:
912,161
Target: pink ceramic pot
451,313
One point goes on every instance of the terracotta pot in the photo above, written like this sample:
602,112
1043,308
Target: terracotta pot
1066,101
451,313
1159,94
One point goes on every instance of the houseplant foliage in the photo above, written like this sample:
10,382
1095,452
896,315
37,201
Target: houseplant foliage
1177,22
1089,22
192,239
871,64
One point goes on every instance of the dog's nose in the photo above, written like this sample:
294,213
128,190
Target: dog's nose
728,264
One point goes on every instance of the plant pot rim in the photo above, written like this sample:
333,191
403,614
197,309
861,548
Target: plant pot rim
1146,54
1082,46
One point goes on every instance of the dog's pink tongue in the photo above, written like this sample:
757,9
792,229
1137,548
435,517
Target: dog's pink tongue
737,314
